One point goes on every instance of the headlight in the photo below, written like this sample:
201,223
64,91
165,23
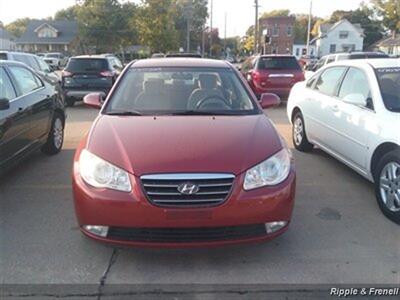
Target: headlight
272,171
101,174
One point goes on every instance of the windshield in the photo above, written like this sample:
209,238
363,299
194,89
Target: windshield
389,81
278,63
181,91
82,65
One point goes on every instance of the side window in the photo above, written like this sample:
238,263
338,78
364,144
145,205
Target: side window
6,88
329,80
26,80
320,63
355,82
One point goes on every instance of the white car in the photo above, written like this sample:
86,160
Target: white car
55,59
351,110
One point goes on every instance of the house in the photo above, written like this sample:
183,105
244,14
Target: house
50,36
7,41
389,45
279,31
300,49
342,36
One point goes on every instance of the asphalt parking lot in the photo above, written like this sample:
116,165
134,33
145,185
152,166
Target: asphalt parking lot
338,234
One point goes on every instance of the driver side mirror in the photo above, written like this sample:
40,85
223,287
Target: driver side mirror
355,99
94,100
4,104
269,100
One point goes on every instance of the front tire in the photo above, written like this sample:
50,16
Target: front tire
69,102
55,138
387,185
299,135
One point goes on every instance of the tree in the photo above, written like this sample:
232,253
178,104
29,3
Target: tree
301,27
104,24
196,11
276,13
389,11
156,26
69,13
18,27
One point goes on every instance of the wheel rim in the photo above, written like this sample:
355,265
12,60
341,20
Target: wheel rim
390,186
298,131
58,133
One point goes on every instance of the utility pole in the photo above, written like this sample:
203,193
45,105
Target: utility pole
203,41
309,30
256,28
188,14
225,35
211,26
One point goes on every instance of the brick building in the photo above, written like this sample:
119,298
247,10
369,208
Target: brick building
280,32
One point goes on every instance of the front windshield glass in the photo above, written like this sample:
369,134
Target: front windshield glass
389,82
181,91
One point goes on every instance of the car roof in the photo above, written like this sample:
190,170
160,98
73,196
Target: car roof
180,62
13,63
376,63
19,53
277,55
89,56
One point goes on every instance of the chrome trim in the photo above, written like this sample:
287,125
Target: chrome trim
187,176
280,75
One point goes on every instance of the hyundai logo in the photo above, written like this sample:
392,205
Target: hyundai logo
188,188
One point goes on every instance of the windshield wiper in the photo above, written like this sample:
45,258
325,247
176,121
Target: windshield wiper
124,113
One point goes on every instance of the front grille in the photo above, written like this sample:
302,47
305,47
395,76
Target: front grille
211,189
186,235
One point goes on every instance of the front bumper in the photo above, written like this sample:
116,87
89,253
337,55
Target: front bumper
133,212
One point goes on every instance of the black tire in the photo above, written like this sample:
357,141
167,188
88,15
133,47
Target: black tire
388,190
55,138
69,102
299,138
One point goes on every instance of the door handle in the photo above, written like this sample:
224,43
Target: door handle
335,108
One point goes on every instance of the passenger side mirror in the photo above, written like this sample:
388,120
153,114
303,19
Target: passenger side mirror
4,104
355,99
269,100
94,100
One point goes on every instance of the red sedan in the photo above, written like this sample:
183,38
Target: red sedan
181,155
272,74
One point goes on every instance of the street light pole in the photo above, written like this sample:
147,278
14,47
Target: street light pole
211,25
309,30
256,28
225,35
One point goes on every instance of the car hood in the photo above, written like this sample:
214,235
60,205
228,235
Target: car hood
179,144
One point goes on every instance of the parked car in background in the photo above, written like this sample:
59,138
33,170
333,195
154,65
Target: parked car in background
183,54
39,65
114,60
158,55
40,54
56,60
35,62
31,114
87,74
146,177
351,110
327,59
272,74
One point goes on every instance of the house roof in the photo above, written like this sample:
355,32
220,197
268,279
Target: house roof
67,32
327,27
4,34
389,41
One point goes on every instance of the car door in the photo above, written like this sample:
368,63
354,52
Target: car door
14,120
37,98
320,105
351,121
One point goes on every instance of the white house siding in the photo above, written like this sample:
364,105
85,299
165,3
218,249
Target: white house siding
6,44
354,41
299,48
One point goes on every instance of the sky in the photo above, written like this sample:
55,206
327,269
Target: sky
240,13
